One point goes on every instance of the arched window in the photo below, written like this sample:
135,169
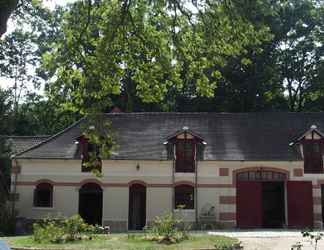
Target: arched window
184,197
43,195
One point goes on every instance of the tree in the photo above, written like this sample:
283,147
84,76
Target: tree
258,80
301,52
6,8
143,49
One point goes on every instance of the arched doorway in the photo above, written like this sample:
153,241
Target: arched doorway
261,198
90,203
137,207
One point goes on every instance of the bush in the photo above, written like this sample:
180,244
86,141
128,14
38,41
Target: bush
63,230
167,229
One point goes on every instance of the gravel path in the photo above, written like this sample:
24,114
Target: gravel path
270,239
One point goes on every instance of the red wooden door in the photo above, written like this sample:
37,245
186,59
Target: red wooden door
249,204
300,204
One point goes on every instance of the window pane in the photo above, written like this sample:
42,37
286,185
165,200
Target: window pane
43,195
185,156
184,197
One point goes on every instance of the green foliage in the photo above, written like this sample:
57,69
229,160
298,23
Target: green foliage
223,244
166,229
143,49
63,230
97,130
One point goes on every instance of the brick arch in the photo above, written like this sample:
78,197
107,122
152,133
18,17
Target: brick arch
48,181
139,182
241,170
86,181
179,183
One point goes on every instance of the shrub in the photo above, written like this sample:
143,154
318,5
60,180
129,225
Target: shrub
167,229
62,230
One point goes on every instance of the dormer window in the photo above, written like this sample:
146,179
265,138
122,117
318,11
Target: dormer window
185,155
185,148
311,145
313,156
89,155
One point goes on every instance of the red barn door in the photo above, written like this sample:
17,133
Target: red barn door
249,204
300,204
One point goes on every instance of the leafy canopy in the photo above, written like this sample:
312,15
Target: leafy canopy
153,46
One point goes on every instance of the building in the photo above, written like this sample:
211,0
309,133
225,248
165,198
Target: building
246,170
15,144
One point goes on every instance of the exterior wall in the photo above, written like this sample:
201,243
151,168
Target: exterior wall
115,207
216,186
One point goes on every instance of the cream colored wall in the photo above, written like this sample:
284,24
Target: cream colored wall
65,202
115,203
113,171
158,202
115,198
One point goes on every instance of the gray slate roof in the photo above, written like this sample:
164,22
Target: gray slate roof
20,144
229,136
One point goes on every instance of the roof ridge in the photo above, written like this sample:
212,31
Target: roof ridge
24,136
50,138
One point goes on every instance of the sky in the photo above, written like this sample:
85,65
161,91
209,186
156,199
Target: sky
7,83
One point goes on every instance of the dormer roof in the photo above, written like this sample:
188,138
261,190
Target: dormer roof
185,133
312,133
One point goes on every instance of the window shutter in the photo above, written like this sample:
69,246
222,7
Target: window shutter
170,151
200,152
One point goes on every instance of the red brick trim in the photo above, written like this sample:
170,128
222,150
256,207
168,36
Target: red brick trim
317,200
117,184
86,181
224,172
227,199
178,183
143,183
216,186
298,172
44,181
227,216
235,172
317,216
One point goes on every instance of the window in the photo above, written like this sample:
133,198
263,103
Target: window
184,197
43,195
313,156
185,152
261,175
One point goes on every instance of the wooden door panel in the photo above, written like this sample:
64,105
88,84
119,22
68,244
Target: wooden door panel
300,204
249,204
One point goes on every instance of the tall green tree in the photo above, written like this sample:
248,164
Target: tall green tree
143,49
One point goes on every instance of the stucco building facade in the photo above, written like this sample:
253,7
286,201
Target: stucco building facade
245,170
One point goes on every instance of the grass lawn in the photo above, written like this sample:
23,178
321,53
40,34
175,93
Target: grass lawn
123,242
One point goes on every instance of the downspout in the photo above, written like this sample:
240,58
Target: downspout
196,185
14,187
173,178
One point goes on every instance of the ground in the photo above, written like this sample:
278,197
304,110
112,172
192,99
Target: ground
124,242
252,240
269,239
